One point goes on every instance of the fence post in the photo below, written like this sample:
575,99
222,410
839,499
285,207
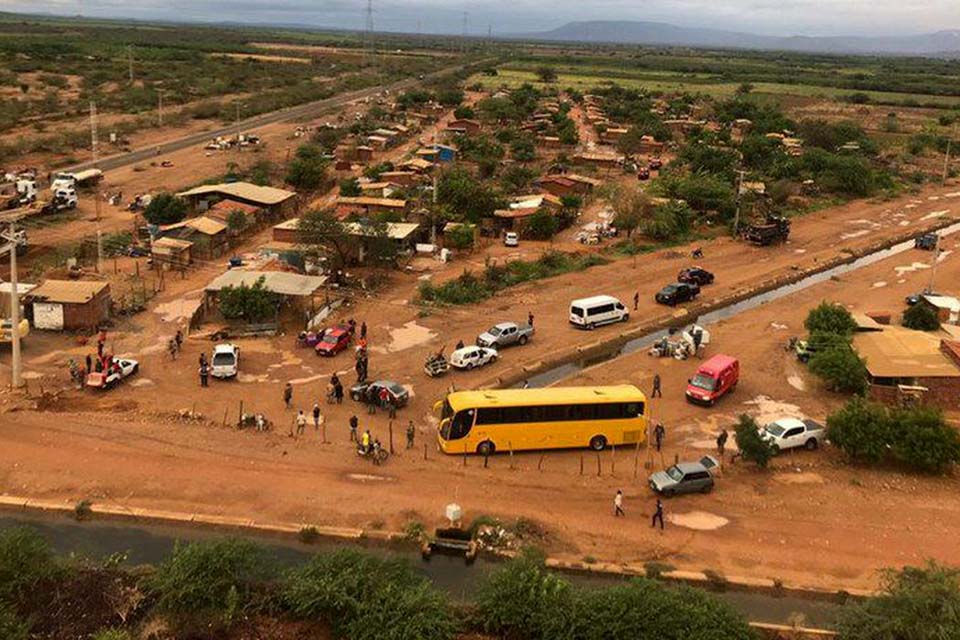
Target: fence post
224,417
613,459
464,454
424,450
598,464
486,458
510,445
581,464
390,429
240,415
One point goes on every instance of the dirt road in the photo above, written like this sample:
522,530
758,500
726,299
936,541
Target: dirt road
811,519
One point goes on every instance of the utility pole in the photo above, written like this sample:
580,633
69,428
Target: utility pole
16,376
160,108
130,61
433,213
736,218
238,126
368,27
93,150
99,251
946,158
465,14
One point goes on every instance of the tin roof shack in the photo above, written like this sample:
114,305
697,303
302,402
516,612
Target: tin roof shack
438,153
404,234
68,305
275,203
295,290
515,217
171,253
464,126
364,207
567,184
904,365
597,159
209,236
6,295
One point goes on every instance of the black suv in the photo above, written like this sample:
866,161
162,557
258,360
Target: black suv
696,275
674,294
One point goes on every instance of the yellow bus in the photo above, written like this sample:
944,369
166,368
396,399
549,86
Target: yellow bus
550,418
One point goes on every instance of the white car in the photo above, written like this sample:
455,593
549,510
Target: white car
226,361
511,239
791,433
472,357
117,370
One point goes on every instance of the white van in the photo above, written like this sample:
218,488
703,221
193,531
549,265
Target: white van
226,360
588,313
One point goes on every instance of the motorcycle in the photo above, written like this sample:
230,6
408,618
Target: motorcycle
375,453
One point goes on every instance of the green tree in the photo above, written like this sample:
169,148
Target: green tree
517,178
921,317
830,317
237,222
523,149
165,208
459,237
744,89
214,577
308,169
465,197
630,208
380,249
670,221
25,560
841,368
917,603
350,188
546,73
751,444
322,233
923,440
251,303
464,112
11,626
542,225
862,430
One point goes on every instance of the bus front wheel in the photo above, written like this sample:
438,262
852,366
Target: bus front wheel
598,443
486,448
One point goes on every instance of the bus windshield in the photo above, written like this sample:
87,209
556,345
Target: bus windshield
459,426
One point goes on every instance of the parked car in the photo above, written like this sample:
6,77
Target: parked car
369,392
226,360
589,313
697,275
643,173
472,357
685,477
790,433
714,378
118,370
333,341
511,239
914,298
927,241
674,294
505,334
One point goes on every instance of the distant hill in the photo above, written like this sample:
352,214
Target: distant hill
941,43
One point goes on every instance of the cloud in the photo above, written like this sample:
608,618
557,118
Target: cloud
784,17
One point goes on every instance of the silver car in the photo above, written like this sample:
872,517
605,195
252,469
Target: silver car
685,477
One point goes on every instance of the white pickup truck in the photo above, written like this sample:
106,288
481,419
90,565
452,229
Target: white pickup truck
791,433
505,334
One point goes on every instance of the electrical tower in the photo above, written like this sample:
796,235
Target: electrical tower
464,36
368,25
93,129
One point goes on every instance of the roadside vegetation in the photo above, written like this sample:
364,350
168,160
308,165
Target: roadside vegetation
834,358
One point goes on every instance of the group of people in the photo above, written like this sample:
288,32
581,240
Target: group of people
618,511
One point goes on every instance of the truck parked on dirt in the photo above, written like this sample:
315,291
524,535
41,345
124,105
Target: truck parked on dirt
226,360
790,433
75,180
505,334
774,230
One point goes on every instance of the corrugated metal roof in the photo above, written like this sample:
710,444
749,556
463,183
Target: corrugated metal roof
374,202
206,225
898,352
279,282
171,243
255,193
68,291
395,230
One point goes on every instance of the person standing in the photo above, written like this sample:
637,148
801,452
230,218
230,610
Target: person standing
530,318
288,395
618,504
659,432
316,416
204,374
354,423
338,391
411,434
526,384
363,329
179,339
636,300
656,387
658,515
301,422
722,442
89,362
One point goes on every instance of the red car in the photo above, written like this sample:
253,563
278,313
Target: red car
643,174
333,341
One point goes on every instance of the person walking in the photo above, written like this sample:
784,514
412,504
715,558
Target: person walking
659,432
411,434
203,358
658,515
316,416
354,423
459,345
391,407
365,441
530,318
89,362
179,339
301,422
288,395
204,374
722,442
697,340
636,300
656,387
363,329
618,504
338,391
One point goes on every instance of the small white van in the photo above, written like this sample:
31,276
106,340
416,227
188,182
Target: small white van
588,313
226,360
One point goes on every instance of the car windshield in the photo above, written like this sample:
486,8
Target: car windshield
669,289
704,382
222,358
395,388
675,474
774,429
494,331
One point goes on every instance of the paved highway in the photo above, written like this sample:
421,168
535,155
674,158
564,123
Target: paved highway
283,115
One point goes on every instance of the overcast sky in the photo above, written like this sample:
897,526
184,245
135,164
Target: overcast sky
774,17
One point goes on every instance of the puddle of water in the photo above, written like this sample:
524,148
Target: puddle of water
31,375
943,255
249,377
935,214
319,376
778,326
409,335
854,234
698,520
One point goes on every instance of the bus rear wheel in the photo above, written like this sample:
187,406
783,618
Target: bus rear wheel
486,448
598,443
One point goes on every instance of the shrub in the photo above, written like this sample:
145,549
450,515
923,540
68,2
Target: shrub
829,317
668,222
750,443
860,429
25,560
237,222
350,188
542,225
366,597
459,237
251,303
11,626
208,577
308,169
166,208
921,317
841,368
112,634
919,603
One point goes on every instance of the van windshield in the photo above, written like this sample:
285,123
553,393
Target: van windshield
223,359
577,311
705,382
